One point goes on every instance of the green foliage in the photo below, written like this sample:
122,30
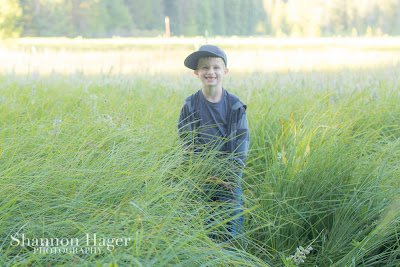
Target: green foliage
218,18
52,19
10,16
339,17
96,25
188,19
204,18
147,15
105,18
233,18
174,10
120,21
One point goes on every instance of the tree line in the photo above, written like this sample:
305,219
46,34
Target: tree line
126,18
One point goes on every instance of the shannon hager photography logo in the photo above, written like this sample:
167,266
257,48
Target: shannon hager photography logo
89,244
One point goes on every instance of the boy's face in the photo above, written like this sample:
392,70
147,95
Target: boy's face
211,71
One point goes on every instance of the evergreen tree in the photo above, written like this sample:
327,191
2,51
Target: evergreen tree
189,21
268,6
100,18
204,17
245,17
233,17
218,18
88,17
339,18
146,15
120,22
389,16
174,10
253,13
278,18
260,14
53,20
96,22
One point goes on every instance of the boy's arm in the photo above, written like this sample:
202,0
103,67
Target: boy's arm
242,140
184,123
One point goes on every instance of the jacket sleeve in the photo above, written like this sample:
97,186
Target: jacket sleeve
242,140
185,124
183,119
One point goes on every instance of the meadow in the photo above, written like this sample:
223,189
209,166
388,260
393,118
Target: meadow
90,151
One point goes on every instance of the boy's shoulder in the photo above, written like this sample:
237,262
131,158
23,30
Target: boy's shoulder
235,102
190,100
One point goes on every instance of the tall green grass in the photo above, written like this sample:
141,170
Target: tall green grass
100,154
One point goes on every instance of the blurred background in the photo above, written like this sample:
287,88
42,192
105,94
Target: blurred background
128,18
125,36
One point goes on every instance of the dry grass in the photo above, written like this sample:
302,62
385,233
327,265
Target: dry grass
158,55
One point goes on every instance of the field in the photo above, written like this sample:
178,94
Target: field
91,150
155,55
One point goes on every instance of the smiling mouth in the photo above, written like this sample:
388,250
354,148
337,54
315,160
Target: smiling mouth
210,78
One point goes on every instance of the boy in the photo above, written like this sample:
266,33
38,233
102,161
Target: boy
213,115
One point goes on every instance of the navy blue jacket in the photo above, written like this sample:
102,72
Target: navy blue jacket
238,129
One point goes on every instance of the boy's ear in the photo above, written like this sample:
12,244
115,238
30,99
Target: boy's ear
196,73
226,70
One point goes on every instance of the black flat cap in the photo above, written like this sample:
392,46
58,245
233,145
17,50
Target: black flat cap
204,51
